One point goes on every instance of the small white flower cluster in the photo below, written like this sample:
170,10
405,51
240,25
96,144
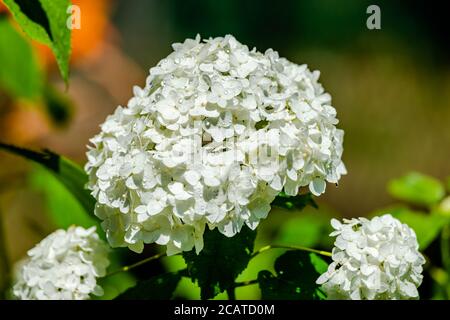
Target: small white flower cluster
217,132
374,259
63,266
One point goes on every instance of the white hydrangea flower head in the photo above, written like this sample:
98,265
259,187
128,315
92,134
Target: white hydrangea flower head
374,259
63,266
188,151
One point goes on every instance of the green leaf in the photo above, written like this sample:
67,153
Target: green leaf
297,202
62,207
305,230
68,173
45,22
20,75
426,226
295,279
114,285
221,260
186,289
417,188
159,287
443,208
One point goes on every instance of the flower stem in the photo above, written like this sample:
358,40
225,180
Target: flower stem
275,246
245,283
231,294
137,264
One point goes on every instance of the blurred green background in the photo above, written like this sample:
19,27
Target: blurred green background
391,89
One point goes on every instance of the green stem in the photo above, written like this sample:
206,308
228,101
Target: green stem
231,294
245,283
275,246
137,264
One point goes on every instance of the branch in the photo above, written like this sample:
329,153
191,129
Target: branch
137,264
275,246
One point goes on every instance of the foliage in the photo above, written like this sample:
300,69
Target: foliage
160,287
217,267
45,22
63,207
225,265
64,210
221,260
298,202
417,188
19,73
70,174
431,223
426,226
296,274
306,229
21,76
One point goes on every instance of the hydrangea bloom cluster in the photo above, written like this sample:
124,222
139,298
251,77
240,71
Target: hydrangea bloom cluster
373,259
63,266
217,132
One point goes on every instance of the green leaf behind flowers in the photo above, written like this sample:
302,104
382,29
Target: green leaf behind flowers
160,287
417,188
295,279
68,173
297,202
222,259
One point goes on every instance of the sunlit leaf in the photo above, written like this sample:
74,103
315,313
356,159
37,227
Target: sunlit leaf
186,289
20,75
304,230
68,173
62,207
115,285
45,22
417,188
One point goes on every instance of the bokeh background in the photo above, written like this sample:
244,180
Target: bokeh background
391,89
